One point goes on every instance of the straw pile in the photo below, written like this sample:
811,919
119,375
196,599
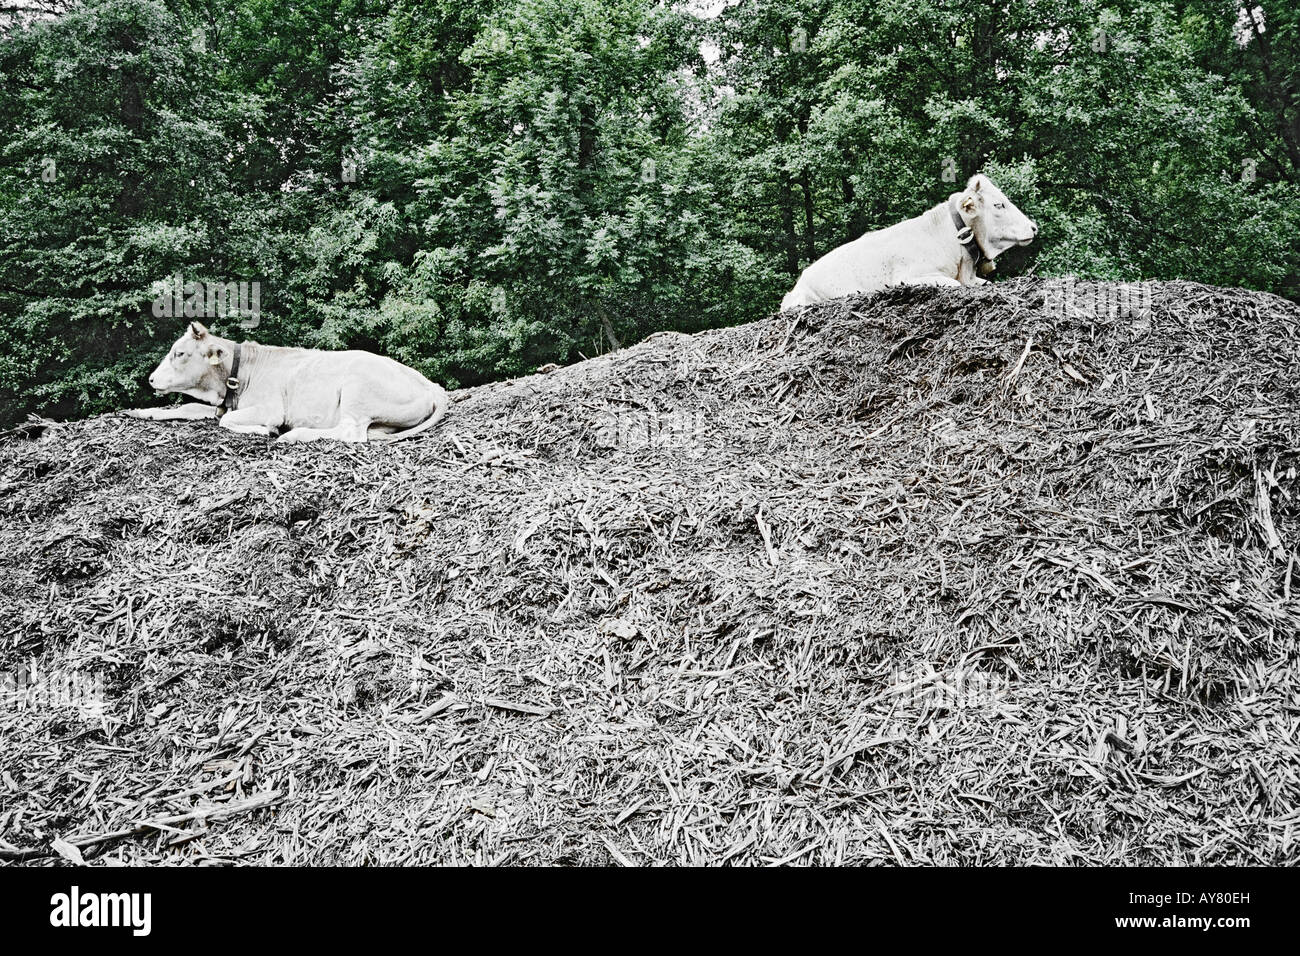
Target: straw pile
925,577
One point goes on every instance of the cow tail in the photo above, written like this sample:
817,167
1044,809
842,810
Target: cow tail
441,402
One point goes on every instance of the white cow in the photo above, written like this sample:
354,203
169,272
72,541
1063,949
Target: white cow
259,389
941,247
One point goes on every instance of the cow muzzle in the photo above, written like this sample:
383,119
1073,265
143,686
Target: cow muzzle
1033,233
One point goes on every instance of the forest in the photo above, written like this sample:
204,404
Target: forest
477,189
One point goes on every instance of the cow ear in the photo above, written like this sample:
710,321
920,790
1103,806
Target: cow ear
197,330
214,356
973,184
967,204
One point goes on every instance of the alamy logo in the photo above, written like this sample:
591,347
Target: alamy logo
175,298
76,908
1099,300
634,429
29,688
956,689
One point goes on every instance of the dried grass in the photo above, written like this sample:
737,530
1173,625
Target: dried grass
927,577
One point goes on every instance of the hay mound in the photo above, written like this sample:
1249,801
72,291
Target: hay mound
926,577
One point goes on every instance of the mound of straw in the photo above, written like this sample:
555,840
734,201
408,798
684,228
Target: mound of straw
929,577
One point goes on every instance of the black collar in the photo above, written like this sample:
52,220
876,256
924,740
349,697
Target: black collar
232,383
966,236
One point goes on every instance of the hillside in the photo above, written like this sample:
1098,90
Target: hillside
926,577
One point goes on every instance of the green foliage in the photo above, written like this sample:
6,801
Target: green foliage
477,189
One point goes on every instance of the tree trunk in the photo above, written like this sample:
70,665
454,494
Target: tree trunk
608,327
131,115
791,241
852,221
1288,129
809,236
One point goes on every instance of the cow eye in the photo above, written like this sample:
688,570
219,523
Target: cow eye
999,205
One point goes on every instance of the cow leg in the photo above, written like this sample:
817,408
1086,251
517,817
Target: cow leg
797,297
353,423
190,411
247,421
931,278
349,429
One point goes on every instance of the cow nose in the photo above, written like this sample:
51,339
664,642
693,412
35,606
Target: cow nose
1035,225
151,378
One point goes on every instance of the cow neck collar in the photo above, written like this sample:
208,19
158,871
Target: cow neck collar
231,399
966,236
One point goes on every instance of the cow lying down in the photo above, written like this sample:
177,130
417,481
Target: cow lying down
261,389
944,246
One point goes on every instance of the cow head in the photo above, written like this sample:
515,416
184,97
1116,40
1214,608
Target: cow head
996,222
195,366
